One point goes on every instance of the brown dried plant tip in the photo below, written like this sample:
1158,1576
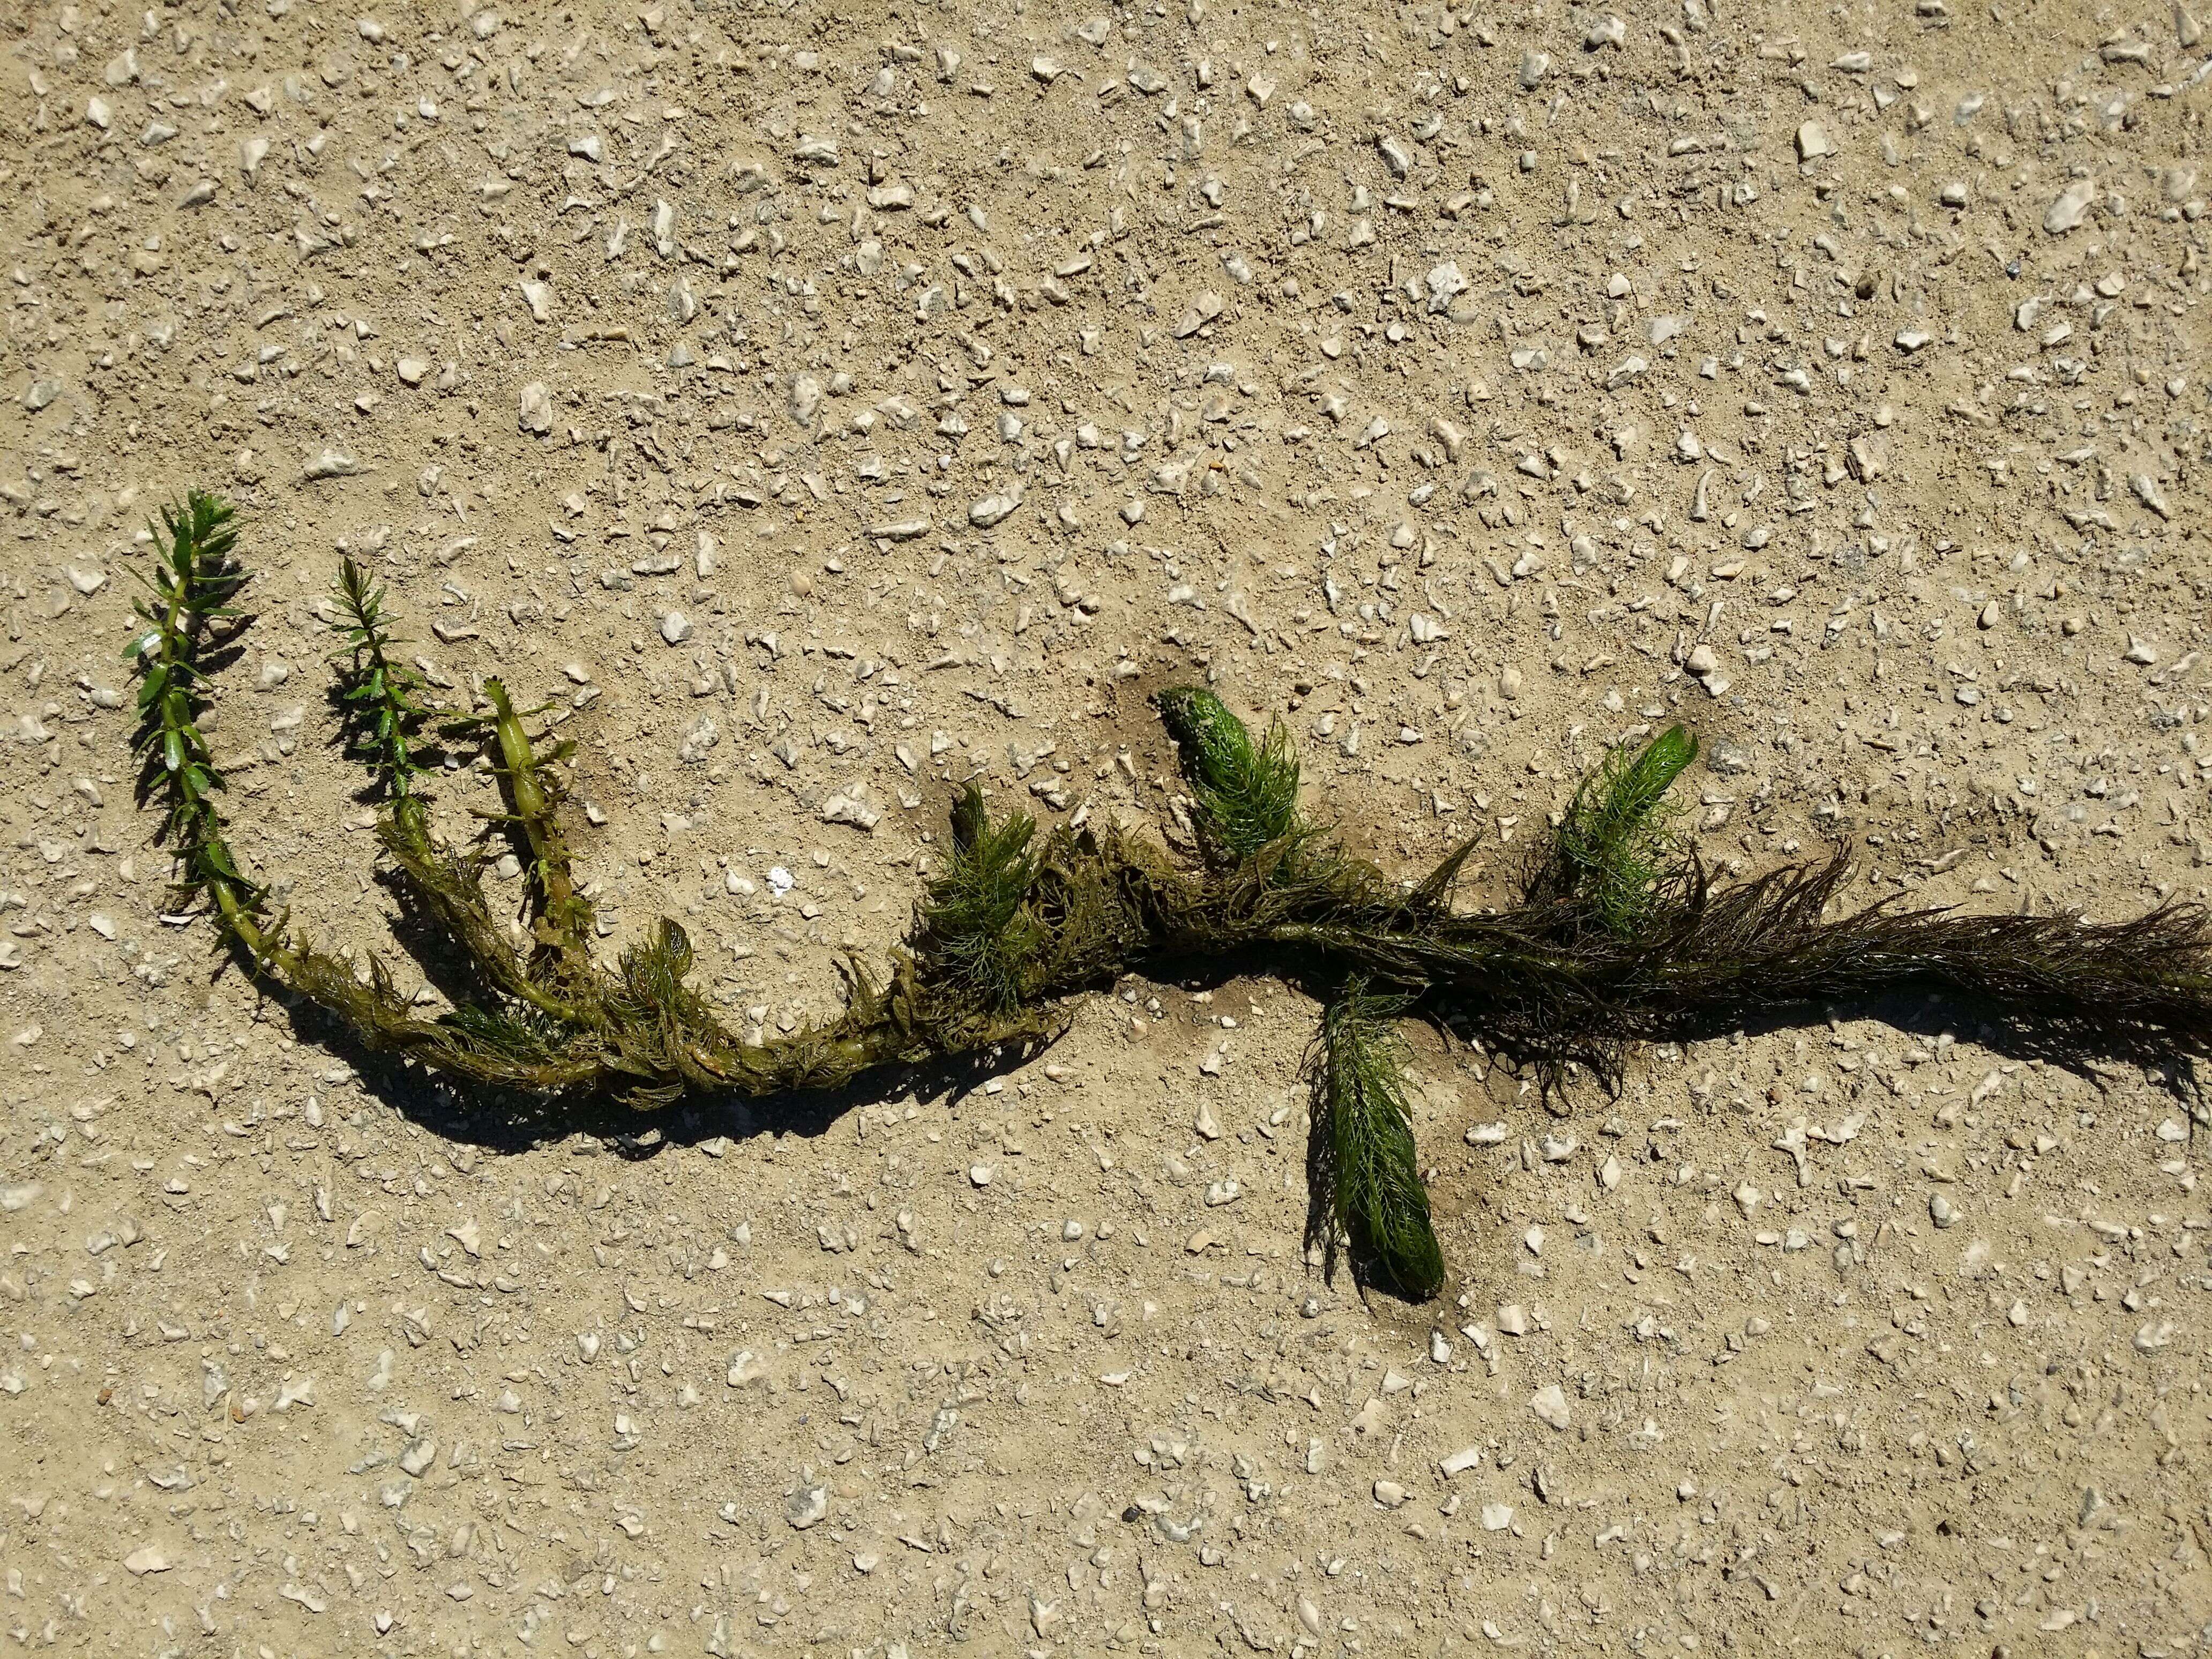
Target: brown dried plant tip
1618,937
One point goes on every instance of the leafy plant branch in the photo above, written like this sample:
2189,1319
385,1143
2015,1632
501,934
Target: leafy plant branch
194,581
382,700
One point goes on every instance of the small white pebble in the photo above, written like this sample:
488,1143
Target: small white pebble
1550,1404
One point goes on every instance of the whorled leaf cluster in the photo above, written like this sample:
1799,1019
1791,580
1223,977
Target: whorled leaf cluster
381,700
1617,935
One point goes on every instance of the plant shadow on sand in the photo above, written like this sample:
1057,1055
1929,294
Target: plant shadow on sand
508,1121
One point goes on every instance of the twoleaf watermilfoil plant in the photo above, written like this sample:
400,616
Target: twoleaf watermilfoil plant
1618,936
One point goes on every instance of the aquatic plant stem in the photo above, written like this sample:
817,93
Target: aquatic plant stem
1617,937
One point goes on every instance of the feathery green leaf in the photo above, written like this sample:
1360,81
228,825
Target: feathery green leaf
1621,857
1368,1168
974,931
1247,792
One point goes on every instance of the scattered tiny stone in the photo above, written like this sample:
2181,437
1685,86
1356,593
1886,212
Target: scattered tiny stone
806,1502
537,409
2070,207
1203,310
850,810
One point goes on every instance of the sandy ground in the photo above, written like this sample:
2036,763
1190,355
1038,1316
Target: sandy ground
822,406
